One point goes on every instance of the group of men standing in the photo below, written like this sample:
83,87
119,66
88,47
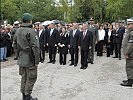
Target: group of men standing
50,37
31,43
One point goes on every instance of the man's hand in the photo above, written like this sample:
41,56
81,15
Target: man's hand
63,45
126,56
55,45
68,46
79,47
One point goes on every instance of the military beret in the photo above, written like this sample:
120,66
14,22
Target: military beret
27,17
130,20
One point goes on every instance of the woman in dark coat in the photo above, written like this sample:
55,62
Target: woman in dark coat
63,46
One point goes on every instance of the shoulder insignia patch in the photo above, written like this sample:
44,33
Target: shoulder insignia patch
36,37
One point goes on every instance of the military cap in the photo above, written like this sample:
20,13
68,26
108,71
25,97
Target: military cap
130,20
27,17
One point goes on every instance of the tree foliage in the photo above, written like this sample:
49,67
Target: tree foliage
81,10
119,9
40,9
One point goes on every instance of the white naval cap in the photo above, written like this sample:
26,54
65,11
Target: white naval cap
50,22
45,23
16,22
130,20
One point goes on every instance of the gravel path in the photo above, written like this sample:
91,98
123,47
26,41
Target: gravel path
99,81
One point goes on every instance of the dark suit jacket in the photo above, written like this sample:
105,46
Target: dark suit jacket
42,39
63,39
119,35
8,41
53,39
74,41
87,41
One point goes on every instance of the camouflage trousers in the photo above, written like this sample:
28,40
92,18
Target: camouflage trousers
29,77
91,53
129,68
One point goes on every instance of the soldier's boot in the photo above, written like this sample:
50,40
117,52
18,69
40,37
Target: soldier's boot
28,97
23,96
128,83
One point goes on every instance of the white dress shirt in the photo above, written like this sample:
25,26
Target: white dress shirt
40,32
74,31
101,34
51,31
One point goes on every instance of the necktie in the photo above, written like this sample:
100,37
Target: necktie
51,31
74,31
84,34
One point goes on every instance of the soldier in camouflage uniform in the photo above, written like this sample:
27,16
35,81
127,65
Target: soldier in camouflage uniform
94,29
128,53
27,43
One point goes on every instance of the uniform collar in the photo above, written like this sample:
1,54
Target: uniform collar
26,25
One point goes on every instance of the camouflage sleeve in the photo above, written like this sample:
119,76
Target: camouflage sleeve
130,44
124,44
15,41
35,45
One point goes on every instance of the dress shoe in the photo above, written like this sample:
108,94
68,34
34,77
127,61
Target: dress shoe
119,58
28,97
127,83
81,67
2,60
50,62
71,64
111,53
5,59
115,57
53,62
92,62
75,65
85,68
89,61
124,81
16,58
42,61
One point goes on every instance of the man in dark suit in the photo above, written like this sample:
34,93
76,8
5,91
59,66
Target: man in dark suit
73,44
85,42
52,41
118,40
42,41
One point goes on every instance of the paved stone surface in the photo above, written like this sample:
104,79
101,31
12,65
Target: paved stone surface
99,81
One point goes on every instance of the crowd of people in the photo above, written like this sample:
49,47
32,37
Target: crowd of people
72,38
30,42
